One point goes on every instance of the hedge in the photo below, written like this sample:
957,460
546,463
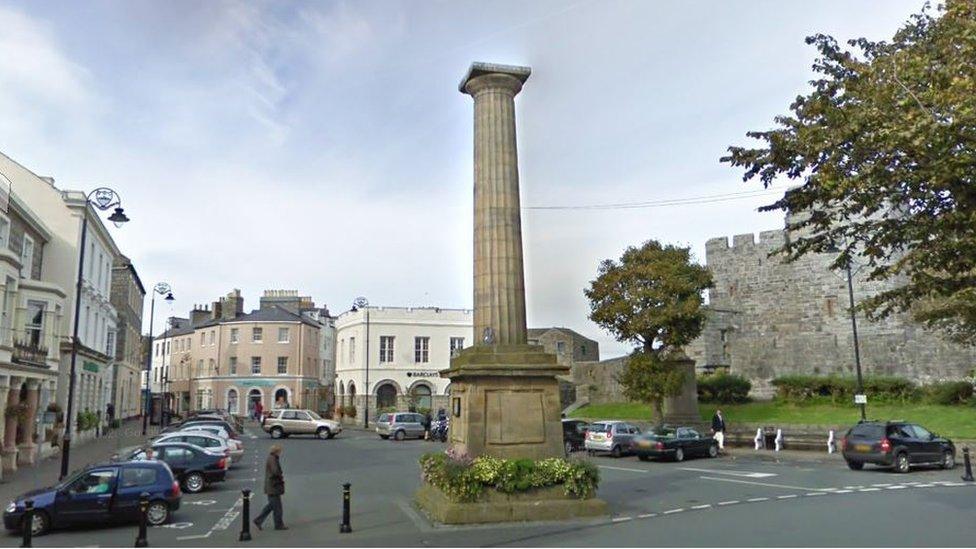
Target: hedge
723,388
805,388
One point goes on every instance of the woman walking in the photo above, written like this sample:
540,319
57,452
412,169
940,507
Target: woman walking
274,487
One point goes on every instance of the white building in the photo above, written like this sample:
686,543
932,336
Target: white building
406,348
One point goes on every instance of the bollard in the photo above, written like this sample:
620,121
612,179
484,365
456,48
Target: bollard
345,528
246,515
759,439
968,477
28,524
779,439
141,541
831,444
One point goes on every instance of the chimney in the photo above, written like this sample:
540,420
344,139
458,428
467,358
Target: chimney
199,315
233,305
216,309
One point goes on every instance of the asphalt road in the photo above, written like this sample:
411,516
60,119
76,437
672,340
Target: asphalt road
745,501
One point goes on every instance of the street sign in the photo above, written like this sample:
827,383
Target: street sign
860,399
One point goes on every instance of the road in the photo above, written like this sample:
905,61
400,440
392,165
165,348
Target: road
744,501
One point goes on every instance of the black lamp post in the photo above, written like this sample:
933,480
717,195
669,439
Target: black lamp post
363,303
161,288
857,348
102,199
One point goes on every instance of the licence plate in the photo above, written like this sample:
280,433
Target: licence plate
599,437
644,443
862,448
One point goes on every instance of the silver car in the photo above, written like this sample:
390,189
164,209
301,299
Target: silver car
400,425
610,436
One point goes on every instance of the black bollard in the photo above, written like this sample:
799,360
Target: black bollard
968,477
246,515
345,528
141,541
28,524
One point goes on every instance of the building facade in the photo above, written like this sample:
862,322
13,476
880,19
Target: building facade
769,318
128,296
401,350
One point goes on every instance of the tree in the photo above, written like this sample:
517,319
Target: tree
653,299
885,148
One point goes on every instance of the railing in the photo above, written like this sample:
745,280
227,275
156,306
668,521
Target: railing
29,353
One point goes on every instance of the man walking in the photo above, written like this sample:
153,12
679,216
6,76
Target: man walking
718,429
274,487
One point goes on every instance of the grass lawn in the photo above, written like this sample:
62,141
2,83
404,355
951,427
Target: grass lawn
950,421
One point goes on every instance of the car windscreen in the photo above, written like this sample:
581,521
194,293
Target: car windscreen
384,418
662,432
868,430
313,415
600,428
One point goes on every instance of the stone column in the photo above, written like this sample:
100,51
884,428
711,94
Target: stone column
10,426
4,393
499,283
27,448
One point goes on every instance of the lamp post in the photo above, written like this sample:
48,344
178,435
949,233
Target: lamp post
102,199
857,347
161,288
363,303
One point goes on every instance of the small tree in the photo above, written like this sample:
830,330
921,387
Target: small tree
653,299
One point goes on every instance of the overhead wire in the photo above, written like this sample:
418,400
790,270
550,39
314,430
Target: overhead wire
705,199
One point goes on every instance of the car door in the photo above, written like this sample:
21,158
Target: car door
88,499
930,450
287,421
177,457
697,444
133,481
303,423
902,435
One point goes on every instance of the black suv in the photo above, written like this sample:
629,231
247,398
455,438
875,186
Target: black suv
896,444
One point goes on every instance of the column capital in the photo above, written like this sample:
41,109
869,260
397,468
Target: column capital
15,382
488,76
33,383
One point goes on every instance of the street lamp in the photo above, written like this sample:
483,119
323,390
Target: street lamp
857,348
363,303
161,288
102,199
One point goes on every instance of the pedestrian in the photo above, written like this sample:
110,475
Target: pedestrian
110,413
718,429
427,425
274,488
258,410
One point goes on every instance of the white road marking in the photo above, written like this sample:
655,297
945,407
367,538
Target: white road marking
201,502
924,485
882,484
869,490
843,491
732,502
754,500
200,536
744,474
176,525
953,483
621,519
672,511
615,469
897,487
788,496
785,486
815,494
858,487
706,506
647,515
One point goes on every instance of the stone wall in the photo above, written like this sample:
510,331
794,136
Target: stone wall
769,318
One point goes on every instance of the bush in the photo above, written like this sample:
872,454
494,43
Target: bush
348,411
386,410
723,388
86,421
948,393
464,479
803,388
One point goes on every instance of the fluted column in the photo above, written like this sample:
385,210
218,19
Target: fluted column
25,456
10,426
499,282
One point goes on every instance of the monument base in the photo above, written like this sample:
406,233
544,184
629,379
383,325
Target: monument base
550,503
505,402
683,409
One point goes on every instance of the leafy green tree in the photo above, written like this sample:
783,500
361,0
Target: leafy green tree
651,298
885,148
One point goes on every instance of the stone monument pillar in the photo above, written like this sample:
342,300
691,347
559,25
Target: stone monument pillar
504,392
683,409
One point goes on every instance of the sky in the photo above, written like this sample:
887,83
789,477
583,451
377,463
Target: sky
324,146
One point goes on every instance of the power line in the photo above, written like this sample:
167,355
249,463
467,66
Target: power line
707,199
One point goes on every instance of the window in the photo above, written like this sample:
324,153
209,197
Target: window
386,348
282,365
232,367
35,322
257,335
256,365
212,336
920,433
94,482
167,347
203,339
352,350
283,335
342,349
560,346
110,344
234,335
4,231
138,476
157,348
211,367
457,343
421,346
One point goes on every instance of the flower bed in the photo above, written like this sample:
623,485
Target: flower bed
463,479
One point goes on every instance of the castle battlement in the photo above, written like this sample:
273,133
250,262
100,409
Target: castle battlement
765,241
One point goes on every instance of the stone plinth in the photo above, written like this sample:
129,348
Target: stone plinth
505,402
550,503
683,409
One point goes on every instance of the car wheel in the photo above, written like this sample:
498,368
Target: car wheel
384,437
40,523
642,457
855,465
399,435
948,459
679,455
569,447
332,435
193,483
157,513
901,462
277,432
615,451
324,433
713,450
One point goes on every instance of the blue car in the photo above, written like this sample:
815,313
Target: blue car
100,494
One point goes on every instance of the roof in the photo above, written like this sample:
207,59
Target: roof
536,332
273,313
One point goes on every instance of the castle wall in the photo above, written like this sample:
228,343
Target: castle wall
769,318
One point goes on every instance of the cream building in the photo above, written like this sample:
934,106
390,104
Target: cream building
128,295
406,348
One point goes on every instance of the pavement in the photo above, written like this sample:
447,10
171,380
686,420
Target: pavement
744,498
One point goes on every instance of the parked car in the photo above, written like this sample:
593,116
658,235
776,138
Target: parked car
574,434
284,423
896,444
235,444
234,433
193,466
201,439
675,443
400,425
100,494
610,436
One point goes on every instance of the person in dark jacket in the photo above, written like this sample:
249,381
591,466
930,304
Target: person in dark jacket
426,424
718,429
274,488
